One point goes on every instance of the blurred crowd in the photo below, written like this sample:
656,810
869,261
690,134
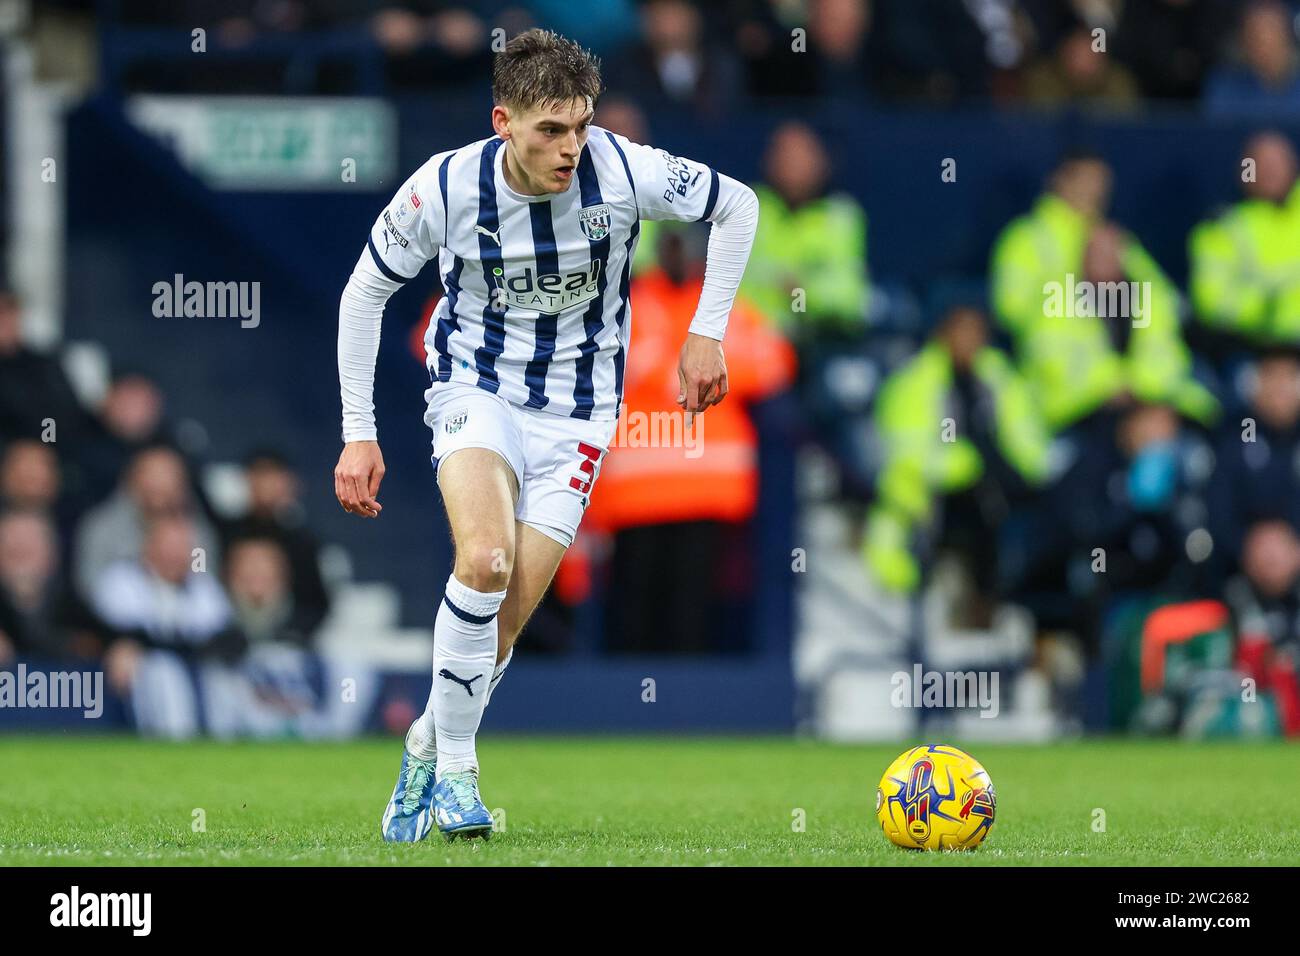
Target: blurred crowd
1231,56
1080,435
112,556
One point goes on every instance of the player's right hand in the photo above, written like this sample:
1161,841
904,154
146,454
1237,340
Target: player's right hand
357,477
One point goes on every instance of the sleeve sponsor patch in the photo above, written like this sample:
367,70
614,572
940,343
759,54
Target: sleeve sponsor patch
397,237
682,175
408,208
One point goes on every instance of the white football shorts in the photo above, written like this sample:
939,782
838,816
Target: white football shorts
556,459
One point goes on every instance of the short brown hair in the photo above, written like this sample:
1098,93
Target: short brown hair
542,68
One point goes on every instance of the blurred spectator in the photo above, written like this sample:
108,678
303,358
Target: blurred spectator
1123,339
1111,326
1271,562
29,476
431,44
277,686
1078,72
834,62
31,480
230,25
131,415
189,659
39,615
1125,526
257,580
1265,604
808,239
1156,364
674,62
764,41
705,55
838,38
165,618
1133,500
960,438
668,492
1048,242
1170,44
807,274
1257,458
158,598
1245,263
1266,84
129,418
959,60
275,512
155,485
34,391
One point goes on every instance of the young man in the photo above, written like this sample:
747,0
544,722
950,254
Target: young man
534,229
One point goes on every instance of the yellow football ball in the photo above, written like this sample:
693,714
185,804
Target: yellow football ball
936,797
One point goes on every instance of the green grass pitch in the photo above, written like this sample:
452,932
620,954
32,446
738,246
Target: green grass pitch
631,800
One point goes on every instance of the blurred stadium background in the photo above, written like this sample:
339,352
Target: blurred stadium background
918,467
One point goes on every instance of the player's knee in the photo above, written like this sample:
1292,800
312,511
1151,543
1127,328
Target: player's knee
485,566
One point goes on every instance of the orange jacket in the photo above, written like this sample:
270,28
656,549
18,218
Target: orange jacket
657,471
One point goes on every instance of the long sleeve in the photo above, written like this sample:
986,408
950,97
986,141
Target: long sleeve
361,313
673,187
408,232
735,222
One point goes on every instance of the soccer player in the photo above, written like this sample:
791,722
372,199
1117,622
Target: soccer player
534,229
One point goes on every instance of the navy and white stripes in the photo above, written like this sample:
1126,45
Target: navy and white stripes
536,304
593,320
466,616
548,263
490,257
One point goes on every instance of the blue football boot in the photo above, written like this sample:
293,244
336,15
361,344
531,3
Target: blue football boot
458,808
408,817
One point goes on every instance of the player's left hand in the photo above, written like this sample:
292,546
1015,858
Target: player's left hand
702,374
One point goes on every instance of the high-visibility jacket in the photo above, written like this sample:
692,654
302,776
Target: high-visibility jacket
920,465
1065,353
710,471
1039,247
1246,270
820,248
1073,368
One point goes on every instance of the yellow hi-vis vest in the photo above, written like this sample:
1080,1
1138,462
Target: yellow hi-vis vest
1246,270
820,248
920,464
1064,349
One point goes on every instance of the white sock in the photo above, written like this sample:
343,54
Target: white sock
496,677
422,738
464,655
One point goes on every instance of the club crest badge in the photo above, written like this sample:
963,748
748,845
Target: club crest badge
404,215
456,422
594,221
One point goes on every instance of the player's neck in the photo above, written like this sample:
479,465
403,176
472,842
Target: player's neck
515,178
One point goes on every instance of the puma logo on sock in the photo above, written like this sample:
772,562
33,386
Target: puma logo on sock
460,680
